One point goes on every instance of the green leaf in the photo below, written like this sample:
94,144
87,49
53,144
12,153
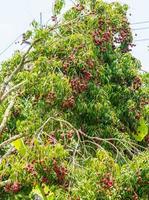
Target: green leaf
142,130
58,6
20,146
37,191
41,193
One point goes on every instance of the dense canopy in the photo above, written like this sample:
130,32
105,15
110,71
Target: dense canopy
74,110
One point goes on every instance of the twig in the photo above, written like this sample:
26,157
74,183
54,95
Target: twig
74,154
104,140
38,132
94,143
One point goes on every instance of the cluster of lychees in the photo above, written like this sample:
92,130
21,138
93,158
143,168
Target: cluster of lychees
68,61
68,103
78,85
90,63
135,196
86,74
61,172
137,82
101,38
138,114
13,187
143,102
101,41
68,135
124,37
106,34
36,166
140,179
52,139
71,58
79,7
50,97
147,139
107,181
30,169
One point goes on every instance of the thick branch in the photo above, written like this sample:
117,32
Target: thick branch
6,114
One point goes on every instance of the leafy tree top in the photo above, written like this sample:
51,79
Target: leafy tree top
77,83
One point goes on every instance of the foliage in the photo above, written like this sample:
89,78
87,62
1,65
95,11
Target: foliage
78,118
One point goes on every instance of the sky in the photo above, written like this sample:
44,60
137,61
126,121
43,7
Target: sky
17,15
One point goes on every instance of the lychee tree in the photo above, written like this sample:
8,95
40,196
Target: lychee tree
74,109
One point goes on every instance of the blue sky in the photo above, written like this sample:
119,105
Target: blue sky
16,16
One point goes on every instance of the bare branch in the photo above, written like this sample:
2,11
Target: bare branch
8,153
6,114
6,94
16,137
39,131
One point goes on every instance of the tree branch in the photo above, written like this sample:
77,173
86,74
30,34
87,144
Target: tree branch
8,153
16,137
6,114
18,68
6,94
